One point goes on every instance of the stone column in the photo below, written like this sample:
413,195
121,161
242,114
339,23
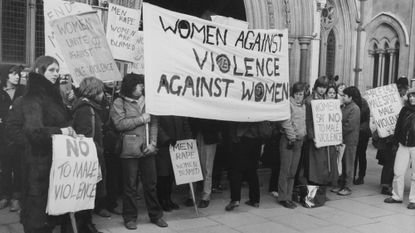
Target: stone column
392,67
381,67
291,60
304,47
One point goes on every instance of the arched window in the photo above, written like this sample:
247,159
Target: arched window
331,54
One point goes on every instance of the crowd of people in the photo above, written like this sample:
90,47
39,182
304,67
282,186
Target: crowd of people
115,117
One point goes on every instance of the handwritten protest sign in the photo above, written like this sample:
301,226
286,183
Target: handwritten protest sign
202,69
54,9
84,47
385,104
185,160
122,31
138,63
73,176
327,119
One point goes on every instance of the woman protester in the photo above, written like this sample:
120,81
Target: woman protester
43,114
10,160
129,117
331,93
290,146
87,121
405,136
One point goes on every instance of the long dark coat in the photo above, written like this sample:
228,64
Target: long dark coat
43,114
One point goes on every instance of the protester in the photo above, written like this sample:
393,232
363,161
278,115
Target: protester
317,157
208,135
10,161
350,129
360,162
67,92
387,146
271,159
405,136
87,121
42,97
129,116
243,163
331,93
291,142
170,130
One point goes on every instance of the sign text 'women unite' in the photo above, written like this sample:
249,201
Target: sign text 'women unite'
202,69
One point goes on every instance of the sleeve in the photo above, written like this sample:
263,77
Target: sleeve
14,125
289,130
82,121
33,127
351,120
120,119
398,126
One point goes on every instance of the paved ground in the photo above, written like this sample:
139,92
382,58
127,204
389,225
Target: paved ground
362,212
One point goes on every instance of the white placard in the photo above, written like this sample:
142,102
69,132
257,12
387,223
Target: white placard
327,120
185,160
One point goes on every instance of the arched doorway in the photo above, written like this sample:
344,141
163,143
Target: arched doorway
331,54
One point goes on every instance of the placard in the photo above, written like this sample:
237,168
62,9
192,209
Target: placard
54,9
137,66
385,104
74,175
185,160
198,68
122,31
327,120
84,47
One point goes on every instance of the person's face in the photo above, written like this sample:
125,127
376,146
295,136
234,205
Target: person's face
411,99
13,78
321,90
340,89
347,99
52,72
299,96
138,91
331,93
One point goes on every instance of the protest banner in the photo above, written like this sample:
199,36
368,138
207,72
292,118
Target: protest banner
229,21
385,104
185,160
138,63
54,9
198,68
327,120
122,31
74,174
84,47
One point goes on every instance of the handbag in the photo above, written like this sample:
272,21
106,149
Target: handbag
132,146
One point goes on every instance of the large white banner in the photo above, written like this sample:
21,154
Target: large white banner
327,119
54,9
185,160
385,104
122,31
84,47
74,175
202,69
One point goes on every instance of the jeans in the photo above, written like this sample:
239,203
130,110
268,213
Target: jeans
207,157
147,168
361,155
289,164
346,179
404,156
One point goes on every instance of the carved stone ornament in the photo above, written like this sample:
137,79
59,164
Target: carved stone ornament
328,16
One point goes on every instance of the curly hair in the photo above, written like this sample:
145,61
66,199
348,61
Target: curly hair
129,84
354,92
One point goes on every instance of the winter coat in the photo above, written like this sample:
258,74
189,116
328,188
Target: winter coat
350,123
365,118
294,128
126,115
405,126
170,129
5,106
317,157
44,114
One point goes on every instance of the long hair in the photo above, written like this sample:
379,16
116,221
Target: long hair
90,88
298,87
353,92
129,84
42,63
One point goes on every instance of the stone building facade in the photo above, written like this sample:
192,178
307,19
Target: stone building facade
367,43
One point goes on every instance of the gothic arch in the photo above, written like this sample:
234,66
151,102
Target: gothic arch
391,20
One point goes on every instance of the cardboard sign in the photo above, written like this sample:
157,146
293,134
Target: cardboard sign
138,63
84,46
74,174
54,9
122,31
198,68
385,104
327,120
185,160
